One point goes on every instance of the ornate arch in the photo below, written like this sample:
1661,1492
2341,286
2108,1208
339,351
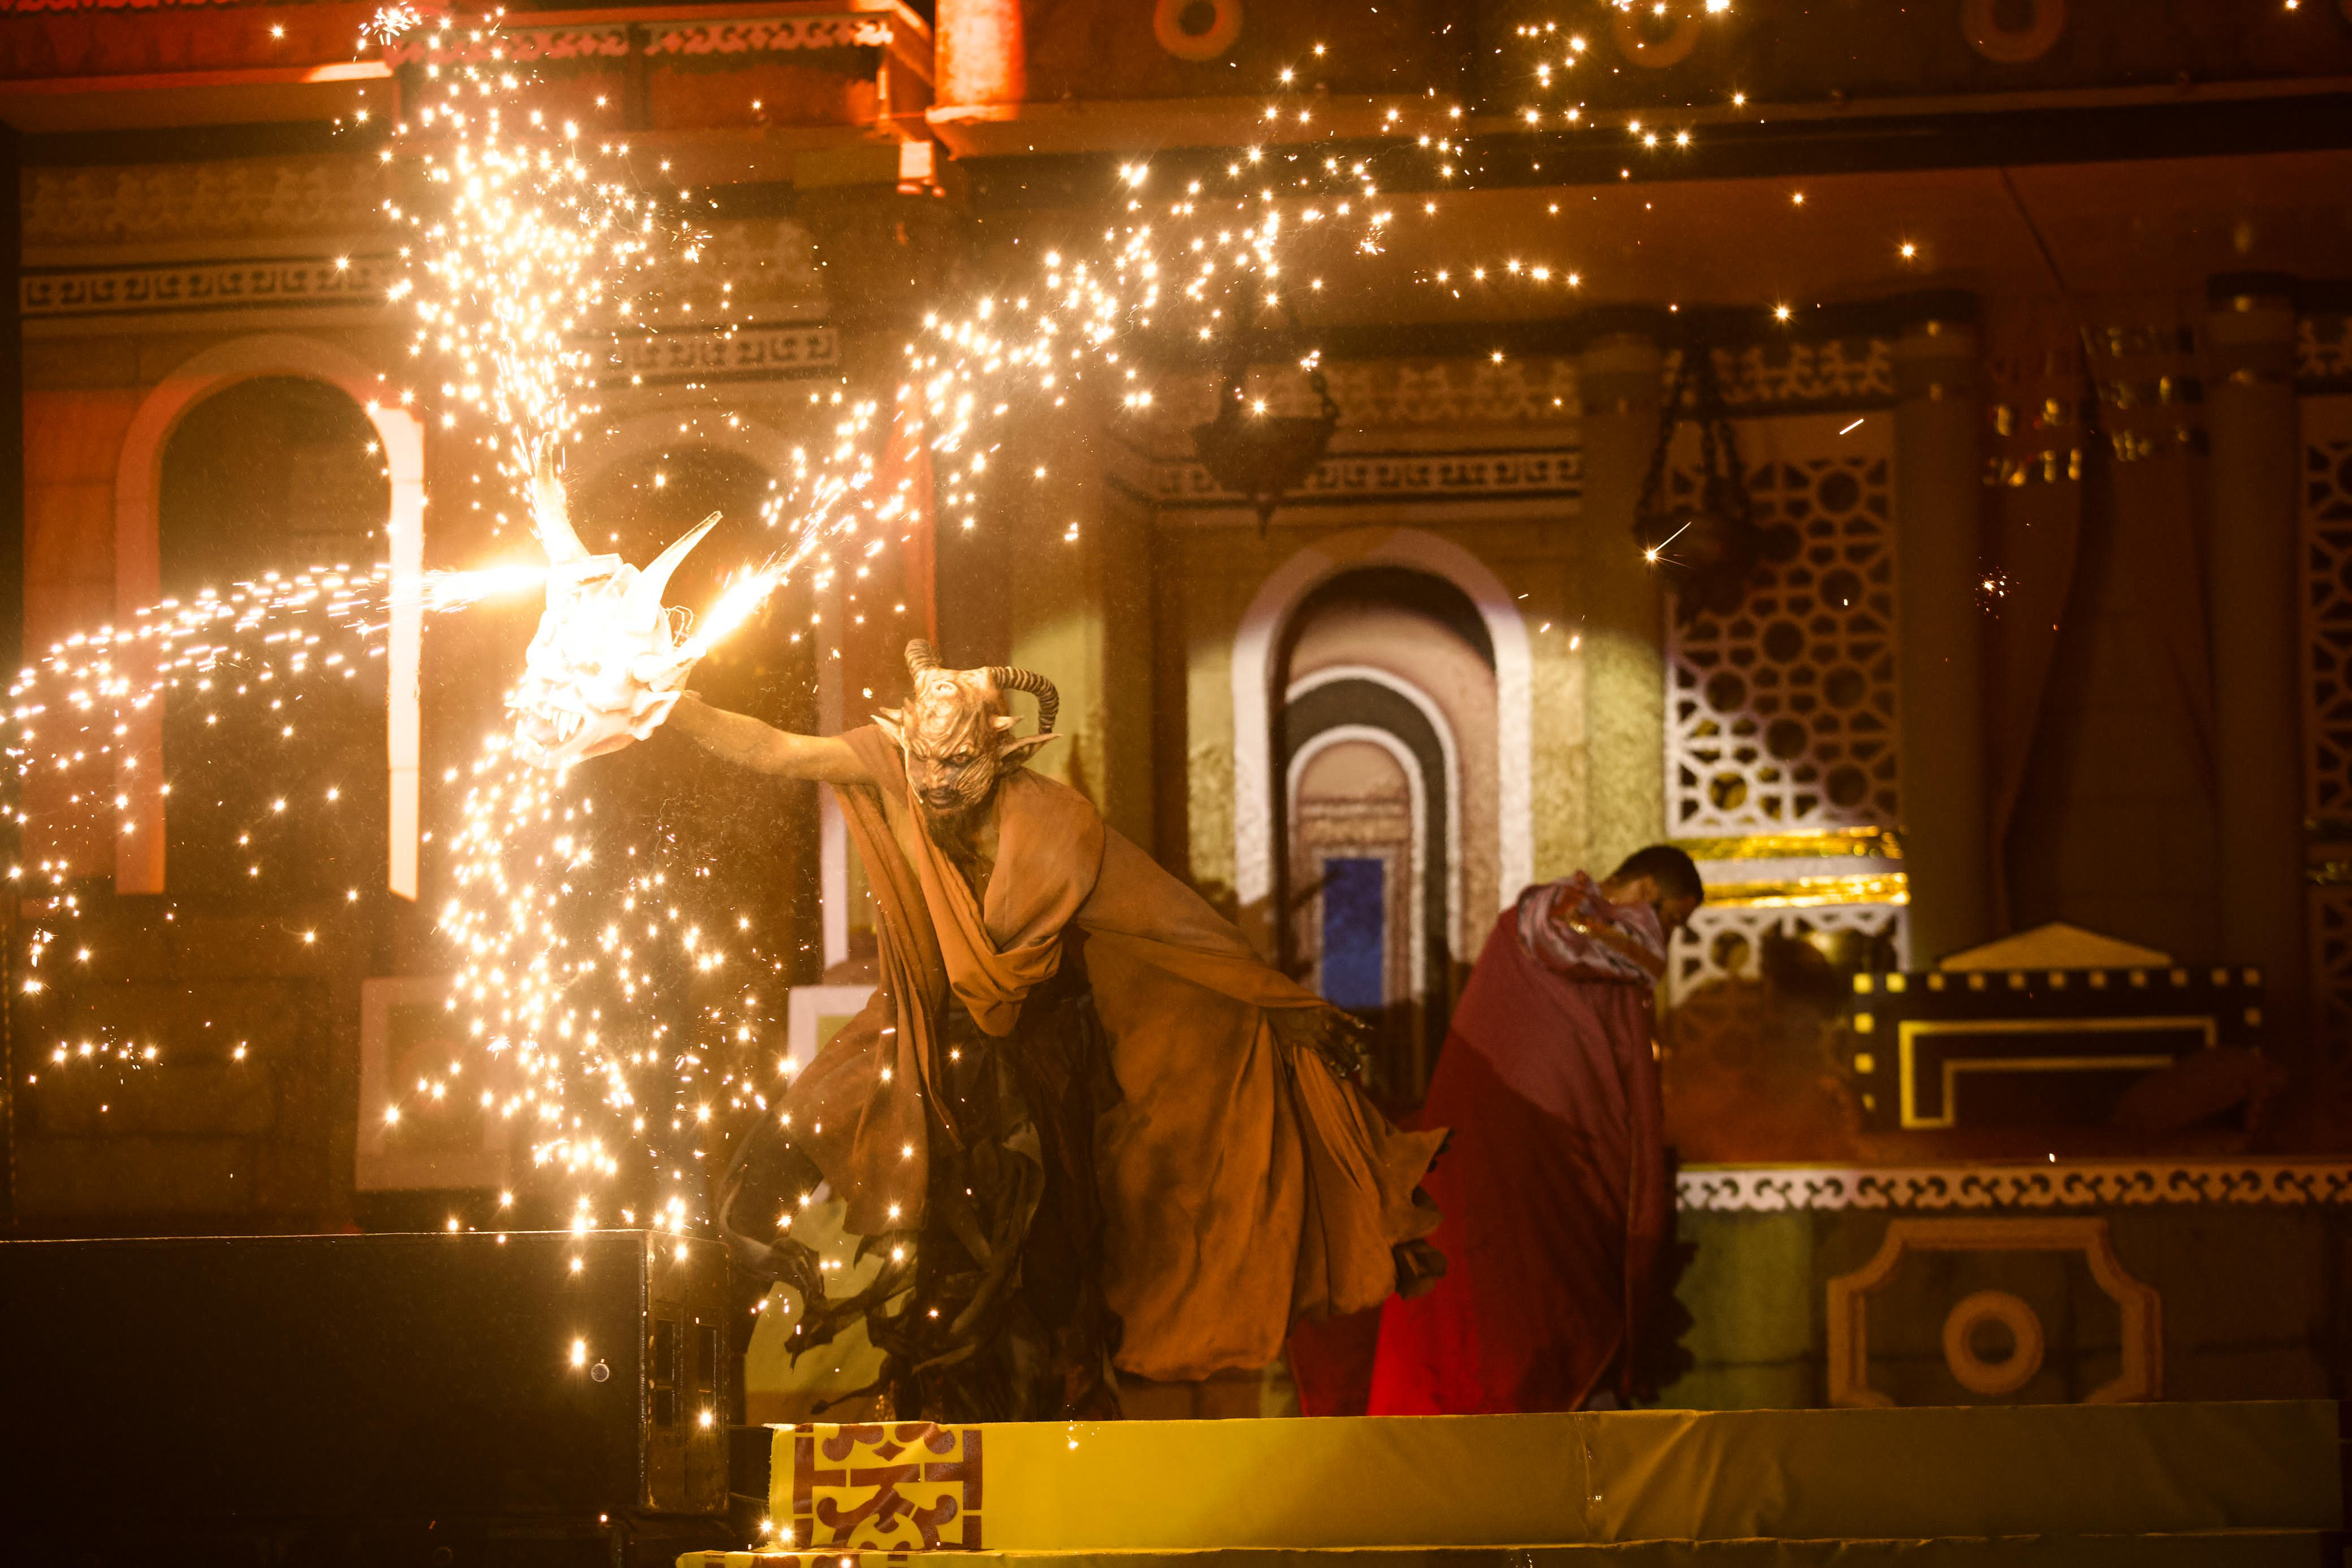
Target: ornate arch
1256,646
1418,786
755,442
138,575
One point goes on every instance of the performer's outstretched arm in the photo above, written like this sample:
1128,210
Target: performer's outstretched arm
748,742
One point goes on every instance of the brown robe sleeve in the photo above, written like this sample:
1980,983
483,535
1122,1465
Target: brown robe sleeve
1247,1186
858,1109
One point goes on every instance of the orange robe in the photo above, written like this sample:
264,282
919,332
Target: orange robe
1243,1184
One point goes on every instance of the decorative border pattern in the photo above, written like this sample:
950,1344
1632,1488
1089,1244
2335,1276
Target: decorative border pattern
1555,475
523,44
1796,373
205,286
519,45
760,36
1534,389
1775,1190
738,353
212,203
125,4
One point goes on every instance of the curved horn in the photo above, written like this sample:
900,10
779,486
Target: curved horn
644,595
549,515
921,656
1049,701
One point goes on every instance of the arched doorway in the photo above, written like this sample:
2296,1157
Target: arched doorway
276,761
1388,814
139,849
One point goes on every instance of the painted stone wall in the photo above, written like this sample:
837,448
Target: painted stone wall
1767,1243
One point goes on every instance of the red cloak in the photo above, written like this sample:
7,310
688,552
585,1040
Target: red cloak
1553,1190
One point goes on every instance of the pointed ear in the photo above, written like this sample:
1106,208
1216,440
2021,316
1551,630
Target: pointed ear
892,722
1014,753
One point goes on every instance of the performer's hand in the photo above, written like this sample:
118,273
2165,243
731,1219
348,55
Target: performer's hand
1342,1039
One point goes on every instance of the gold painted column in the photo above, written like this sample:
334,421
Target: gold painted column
1940,662
983,56
1619,381
2254,428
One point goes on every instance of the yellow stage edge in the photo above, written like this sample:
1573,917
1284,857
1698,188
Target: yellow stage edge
2186,1470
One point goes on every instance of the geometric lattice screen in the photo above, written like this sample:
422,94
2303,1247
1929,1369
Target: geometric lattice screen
1781,716
2327,610
1722,944
2327,584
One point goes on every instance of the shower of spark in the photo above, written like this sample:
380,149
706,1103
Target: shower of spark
84,714
615,1008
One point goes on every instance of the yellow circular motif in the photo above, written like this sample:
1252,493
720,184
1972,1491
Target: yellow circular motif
2012,1372
1657,53
2045,19
1178,25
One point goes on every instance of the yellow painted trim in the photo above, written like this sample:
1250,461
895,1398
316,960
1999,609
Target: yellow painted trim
1807,892
1911,1029
2141,1376
1879,842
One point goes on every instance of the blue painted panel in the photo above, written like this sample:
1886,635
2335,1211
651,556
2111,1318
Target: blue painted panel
1355,932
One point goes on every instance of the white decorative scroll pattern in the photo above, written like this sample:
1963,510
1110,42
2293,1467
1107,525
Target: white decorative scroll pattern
1774,1189
1782,716
1721,942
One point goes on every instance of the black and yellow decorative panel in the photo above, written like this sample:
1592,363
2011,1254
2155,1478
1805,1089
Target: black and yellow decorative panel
2017,1047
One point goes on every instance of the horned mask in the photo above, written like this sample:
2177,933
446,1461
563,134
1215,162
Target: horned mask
605,666
954,733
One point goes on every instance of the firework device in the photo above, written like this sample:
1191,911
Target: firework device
608,661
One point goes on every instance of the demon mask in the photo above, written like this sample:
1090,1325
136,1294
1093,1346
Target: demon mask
605,666
957,738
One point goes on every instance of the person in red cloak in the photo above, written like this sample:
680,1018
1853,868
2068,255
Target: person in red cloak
1553,1189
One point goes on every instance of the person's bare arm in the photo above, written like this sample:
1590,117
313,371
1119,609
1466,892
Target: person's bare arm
748,742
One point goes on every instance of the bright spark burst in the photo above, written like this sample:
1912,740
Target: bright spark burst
603,1013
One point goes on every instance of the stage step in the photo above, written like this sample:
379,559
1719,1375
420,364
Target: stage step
2180,1481
2219,1549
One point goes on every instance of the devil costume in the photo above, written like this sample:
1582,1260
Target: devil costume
1089,1127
